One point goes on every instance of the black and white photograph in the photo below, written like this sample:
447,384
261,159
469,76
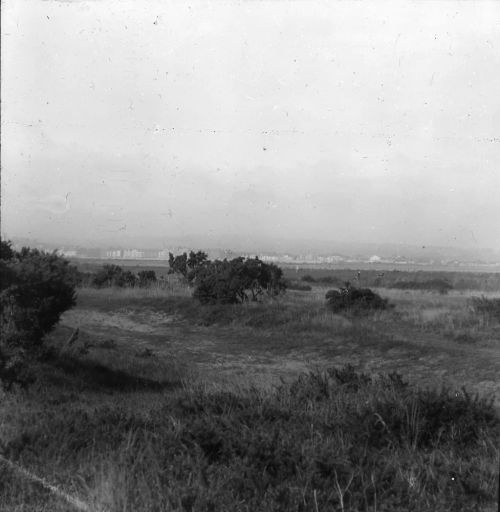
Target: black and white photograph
250,256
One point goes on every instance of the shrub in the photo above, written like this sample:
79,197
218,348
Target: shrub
229,282
308,279
489,308
355,300
146,277
6,251
113,275
35,289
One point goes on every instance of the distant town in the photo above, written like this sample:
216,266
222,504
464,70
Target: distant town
431,259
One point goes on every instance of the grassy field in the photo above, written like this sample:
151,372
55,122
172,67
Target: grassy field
163,404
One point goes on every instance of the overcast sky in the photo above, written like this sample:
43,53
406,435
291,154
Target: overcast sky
350,121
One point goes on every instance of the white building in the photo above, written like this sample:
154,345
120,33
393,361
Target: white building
114,253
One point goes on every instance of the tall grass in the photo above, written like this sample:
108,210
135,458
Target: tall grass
170,286
335,440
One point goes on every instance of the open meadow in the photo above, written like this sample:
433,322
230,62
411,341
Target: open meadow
161,403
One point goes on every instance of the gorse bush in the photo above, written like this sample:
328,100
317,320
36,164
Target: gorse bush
355,300
236,281
227,281
35,289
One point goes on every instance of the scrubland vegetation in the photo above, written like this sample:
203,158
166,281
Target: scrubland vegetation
388,402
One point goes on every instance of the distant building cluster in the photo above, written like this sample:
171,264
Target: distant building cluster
292,259
307,258
116,253
137,254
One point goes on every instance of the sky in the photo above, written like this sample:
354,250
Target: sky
356,121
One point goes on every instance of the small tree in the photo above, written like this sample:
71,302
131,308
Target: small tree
187,266
178,264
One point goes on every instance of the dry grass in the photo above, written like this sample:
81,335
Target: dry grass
170,286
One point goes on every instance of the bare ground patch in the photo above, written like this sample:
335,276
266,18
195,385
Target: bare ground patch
264,356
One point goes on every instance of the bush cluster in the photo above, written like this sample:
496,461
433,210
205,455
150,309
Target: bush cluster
236,281
355,300
227,281
35,289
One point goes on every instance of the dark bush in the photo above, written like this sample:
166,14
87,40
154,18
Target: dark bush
231,282
221,283
35,289
355,300
6,251
113,275
85,278
489,308
308,279
146,277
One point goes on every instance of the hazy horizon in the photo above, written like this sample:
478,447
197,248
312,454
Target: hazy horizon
346,122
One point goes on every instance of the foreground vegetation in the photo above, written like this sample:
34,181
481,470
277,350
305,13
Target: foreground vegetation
333,440
35,289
